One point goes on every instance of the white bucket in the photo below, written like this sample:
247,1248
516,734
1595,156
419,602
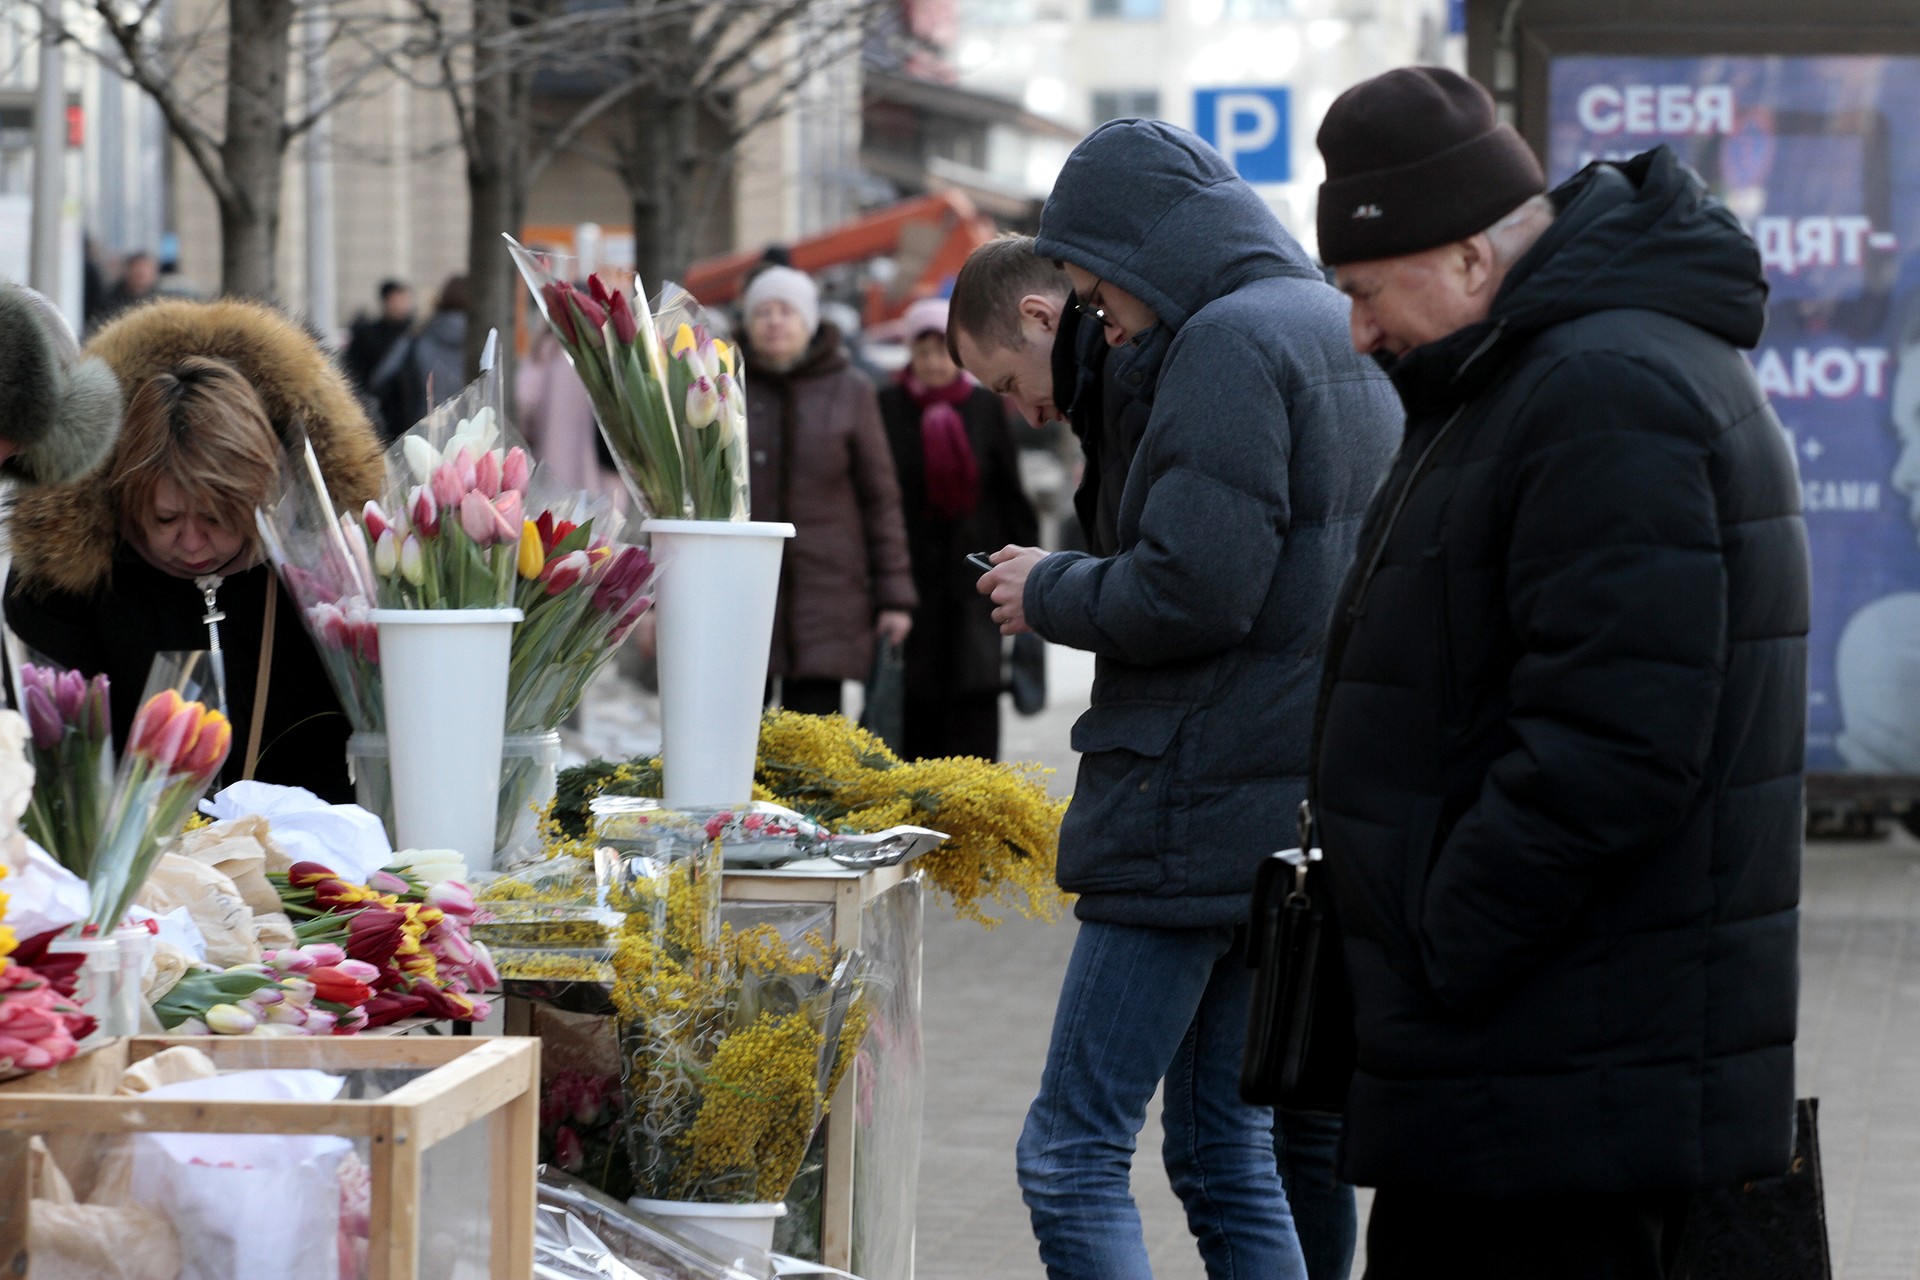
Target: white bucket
135,947
715,598
444,677
744,1223
97,985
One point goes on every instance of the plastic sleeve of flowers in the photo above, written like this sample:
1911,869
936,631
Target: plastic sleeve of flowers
648,422
713,441
332,585
70,744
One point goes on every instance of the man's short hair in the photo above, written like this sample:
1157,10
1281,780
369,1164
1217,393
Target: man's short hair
987,292
390,287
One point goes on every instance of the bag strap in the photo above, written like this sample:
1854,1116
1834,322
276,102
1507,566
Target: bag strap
263,676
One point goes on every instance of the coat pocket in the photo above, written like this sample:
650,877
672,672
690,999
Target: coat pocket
1114,838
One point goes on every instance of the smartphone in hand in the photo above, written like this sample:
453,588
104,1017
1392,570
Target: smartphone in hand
981,560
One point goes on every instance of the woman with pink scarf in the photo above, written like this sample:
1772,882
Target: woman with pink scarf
960,489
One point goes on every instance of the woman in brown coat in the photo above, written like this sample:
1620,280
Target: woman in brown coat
820,460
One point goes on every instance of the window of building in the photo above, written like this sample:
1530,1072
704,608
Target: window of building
998,13
1135,9
1121,104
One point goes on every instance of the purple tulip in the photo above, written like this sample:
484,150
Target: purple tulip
69,691
43,719
95,722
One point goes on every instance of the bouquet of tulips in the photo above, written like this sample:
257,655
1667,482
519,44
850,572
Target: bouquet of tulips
70,746
313,990
40,1026
580,594
327,565
675,422
415,940
175,748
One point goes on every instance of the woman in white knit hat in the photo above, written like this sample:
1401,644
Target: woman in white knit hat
820,459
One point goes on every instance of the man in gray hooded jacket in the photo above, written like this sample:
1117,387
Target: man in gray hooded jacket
1266,438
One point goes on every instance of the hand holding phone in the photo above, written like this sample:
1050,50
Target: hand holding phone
981,560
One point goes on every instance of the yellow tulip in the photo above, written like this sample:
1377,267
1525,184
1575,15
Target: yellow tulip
533,555
726,355
683,339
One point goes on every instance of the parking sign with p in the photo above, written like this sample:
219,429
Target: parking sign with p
1249,127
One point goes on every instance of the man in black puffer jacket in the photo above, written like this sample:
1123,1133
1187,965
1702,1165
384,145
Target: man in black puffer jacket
1558,768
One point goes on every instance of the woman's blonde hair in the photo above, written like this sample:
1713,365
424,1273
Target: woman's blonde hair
201,425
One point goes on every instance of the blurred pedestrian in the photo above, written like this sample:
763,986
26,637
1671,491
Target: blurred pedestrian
426,366
139,276
960,491
820,460
1265,437
556,416
371,337
1559,766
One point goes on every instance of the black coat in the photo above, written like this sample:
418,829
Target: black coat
955,646
1559,770
142,611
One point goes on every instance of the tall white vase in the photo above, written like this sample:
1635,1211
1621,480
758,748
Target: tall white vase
444,677
718,581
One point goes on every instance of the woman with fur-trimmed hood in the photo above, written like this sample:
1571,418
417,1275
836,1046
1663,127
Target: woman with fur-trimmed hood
157,545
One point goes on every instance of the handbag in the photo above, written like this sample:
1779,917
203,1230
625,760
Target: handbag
1300,1047
1767,1229
1027,673
884,713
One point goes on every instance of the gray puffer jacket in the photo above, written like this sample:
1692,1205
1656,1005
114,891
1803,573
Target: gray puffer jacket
1267,437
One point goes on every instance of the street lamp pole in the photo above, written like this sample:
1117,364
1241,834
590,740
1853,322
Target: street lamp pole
49,155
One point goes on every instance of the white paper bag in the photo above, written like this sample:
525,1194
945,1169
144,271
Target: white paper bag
344,838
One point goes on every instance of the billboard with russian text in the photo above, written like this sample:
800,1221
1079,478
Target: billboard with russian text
1820,158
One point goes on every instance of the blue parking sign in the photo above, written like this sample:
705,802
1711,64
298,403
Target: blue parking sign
1248,127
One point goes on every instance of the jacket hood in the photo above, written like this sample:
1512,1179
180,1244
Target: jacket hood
1643,234
64,538
1159,213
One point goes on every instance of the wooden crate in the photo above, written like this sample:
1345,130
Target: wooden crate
466,1080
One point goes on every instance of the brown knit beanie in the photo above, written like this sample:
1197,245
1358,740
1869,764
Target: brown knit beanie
1416,158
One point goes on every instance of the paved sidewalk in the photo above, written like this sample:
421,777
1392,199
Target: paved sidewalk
989,998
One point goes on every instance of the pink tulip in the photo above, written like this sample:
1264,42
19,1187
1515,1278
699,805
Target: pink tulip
476,519
447,489
366,641
325,953
564,573
567,1151
485,976
299,990
509,514
376,520
291,960
286,1015
387,882
358,970
465,468
330,625
486,473
517,471
454,948
321,1022
453,898
424,510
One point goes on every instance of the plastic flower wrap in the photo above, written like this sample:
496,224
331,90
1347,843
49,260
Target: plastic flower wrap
70,744
327,565
675,421
175,748
448,534
580,593
706,385
732,1041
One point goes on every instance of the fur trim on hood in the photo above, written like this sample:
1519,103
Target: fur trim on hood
64,538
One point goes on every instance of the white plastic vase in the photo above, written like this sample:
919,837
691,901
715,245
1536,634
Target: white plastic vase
751,1224
444,673
718,581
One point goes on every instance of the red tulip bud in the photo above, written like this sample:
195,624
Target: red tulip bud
558,312
424,511
624,326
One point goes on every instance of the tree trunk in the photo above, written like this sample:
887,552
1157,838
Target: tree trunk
658,174
259,46
496,182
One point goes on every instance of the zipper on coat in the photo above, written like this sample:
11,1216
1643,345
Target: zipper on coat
209,585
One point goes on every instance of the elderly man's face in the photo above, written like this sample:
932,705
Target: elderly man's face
1407,302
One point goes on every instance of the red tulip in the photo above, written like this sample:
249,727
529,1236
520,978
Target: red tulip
593,316
376,520
555,294
625,328
391,1006
424,510
375,935
208,751
565,572
331,985
598,288
163,726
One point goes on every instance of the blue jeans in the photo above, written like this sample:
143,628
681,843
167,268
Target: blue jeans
1140,1006
1307,1146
